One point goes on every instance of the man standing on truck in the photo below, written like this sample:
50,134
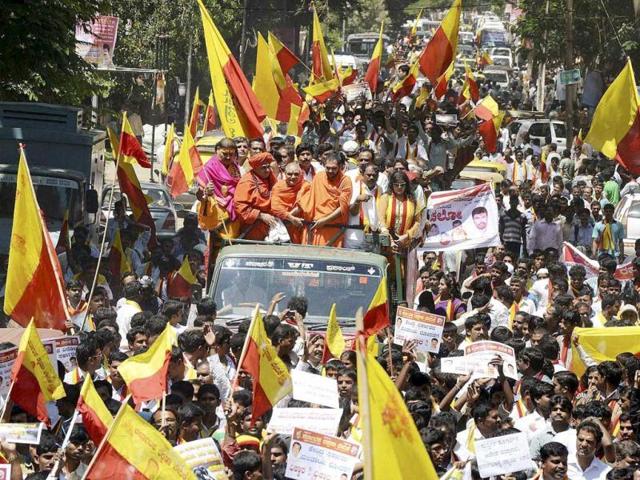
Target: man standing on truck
326,204
284,200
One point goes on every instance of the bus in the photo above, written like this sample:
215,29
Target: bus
362,44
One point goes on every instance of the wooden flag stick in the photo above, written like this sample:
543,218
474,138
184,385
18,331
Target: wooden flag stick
246,344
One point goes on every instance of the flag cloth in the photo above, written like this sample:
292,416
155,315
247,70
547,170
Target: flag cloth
602,344
64,242
377,316
485,59
441,49
323,83
34,287
472,84
167,156
130,146
134,449
194,119
185,167
34,381
487,109
179,282
489,130
615,129
387,427
335,339
404,87
414,28
146,374
209,115
264,84
118,261
285,57
271,380
115,144
240,112
373,70
443,82
95,416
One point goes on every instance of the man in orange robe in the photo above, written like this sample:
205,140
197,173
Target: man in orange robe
284,200
327,203
252,198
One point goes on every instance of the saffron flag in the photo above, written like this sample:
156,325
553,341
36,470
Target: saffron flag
387,426
600,344
96,418
167,157
118,261
615,129
134,449
33,379
373,69
488,130
335,340
441,49
180,282
240,112
185,167
146,374
210,115
129,145
404,86
194,119
34,287
271,380
377,316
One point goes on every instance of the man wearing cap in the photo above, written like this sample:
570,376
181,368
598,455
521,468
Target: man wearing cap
350,149
252,198
284,198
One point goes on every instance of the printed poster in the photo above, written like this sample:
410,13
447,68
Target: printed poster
96,40
425,328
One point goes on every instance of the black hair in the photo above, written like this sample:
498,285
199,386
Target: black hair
184,389
208,388
553,449
189,411
206,306
172,307
86,349
244,462
299,304
568,380
131,334
191,340
156,325
47,443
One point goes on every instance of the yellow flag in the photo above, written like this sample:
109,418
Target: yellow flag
335,339
184,156
388,427
168,150
602,344
264,84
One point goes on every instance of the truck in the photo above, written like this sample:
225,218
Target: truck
66,164
246,275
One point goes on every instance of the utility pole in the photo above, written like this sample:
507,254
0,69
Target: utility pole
542,74
243,36
570,90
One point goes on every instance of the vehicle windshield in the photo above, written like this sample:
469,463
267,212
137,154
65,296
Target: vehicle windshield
361,47
501,61
500,77
560,130
156,198
494,37
242,282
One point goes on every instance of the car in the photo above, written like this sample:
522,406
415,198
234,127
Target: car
496,75
163,211
468,52
501,61
627,212
466,38
501,52
545,130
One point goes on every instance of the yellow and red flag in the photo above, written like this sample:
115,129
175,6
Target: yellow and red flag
413,33
34,288
440,52
286,58
484,59
377,316
264,83
334,341
601,344
64,242
194,119
179,283
118,261
470,90
323,82
130,146
210,115
146,374
240,112
487,108
489,130
615,129
271,379
167,157
185,167
96,418
373,70
443,82
404,87
34,382
134,449
387,426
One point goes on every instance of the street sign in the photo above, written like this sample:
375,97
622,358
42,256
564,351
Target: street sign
569,77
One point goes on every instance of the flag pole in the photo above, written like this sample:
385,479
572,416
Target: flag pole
246,344
125,402
363,396
52,474
7,401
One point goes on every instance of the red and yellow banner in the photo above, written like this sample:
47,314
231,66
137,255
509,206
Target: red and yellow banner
377,316
95,416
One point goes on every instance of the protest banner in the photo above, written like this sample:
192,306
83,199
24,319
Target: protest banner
456,365
315,389
425,328
96,40
321,420
66,351
356,91
203,457
572,256
476,361
314,456
462,219
50,348
501,455
21,432
7,359
5,471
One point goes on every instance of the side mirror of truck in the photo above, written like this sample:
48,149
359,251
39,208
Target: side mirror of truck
91,200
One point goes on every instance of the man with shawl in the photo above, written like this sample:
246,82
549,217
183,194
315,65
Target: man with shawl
252,198
284,200
326,204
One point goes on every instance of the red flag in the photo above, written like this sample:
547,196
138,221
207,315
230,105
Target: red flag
130,146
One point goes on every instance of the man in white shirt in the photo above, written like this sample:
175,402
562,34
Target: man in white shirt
410,147
584,465
535,422
362,209
486,421
127,307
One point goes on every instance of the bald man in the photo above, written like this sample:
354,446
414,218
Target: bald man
284,200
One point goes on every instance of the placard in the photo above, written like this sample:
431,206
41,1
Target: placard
506,454
356,91
66,351
50,347
425,328
7,359
313,456
203,457
315,389
321,420
21,432
479,354
5,471
96,40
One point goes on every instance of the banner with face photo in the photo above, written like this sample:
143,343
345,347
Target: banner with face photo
462,219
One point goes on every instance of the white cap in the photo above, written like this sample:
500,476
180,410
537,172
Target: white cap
350,147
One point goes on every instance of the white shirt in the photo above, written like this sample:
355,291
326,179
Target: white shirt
125,311
596,471
568,438
354,237
531,424
410,151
